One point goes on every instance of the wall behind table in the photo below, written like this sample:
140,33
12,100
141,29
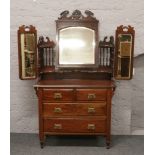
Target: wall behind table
42,14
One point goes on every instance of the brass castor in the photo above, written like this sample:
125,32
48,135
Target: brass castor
42,145
108,145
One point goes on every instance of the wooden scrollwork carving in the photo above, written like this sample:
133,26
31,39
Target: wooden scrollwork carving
76,15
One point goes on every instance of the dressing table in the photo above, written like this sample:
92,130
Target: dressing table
75,84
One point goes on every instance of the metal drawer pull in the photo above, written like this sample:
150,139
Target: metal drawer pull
57,95
91,126
91,110
57,126
91,96
57,110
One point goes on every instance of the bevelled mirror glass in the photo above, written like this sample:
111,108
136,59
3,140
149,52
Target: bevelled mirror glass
76,46
27,52
124,53
77,40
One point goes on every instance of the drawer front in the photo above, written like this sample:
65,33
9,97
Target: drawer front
94,109
91,94
70,125
75,109
55,109
57,95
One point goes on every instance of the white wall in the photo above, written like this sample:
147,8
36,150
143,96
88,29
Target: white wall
42,14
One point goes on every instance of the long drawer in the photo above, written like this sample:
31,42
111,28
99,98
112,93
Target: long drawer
58,95
79,109
91,94
72,125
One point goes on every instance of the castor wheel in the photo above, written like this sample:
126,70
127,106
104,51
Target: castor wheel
42,145
108,145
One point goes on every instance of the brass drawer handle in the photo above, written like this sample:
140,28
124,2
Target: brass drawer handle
57,96
57,126
91,110
57,110
91,126
91,96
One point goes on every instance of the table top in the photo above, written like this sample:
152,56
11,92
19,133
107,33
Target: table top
78,83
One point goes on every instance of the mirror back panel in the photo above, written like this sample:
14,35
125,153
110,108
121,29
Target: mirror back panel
77,40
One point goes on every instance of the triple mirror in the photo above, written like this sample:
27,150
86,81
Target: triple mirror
77,47
27,41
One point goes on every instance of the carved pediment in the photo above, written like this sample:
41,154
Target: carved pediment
77,15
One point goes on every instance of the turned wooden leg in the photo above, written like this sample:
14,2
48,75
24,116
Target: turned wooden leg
107,145
108,142
42,145
42,140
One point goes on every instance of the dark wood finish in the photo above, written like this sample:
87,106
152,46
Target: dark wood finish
126,66
75,83
100,73
74,109
106,54
58,95
79,115
45,55
77,20
75,100
27,30
57,71
91,94
80,125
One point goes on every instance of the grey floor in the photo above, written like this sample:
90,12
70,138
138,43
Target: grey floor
28,144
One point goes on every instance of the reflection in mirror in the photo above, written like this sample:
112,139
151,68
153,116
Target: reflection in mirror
27,52
124,52
76,46
28,55
124,55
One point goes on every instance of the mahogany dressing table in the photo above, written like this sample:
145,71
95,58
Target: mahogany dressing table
75,85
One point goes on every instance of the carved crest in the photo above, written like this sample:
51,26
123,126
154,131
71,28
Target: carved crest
105,43
29,28
77,15
128,28
43,44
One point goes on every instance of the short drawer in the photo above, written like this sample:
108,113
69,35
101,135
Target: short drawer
91,94
75,109
75,125
58,95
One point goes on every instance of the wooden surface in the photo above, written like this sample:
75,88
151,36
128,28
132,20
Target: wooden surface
75,99
74,107
76,83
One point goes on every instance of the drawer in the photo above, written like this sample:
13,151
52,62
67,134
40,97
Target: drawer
78,109
75,125
91,94
91,109
58,95
55,109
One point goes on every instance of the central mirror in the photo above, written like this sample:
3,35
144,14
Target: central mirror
76,46
77,40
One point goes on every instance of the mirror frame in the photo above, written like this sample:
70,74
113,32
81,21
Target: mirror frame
77,20
124,30
26,30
